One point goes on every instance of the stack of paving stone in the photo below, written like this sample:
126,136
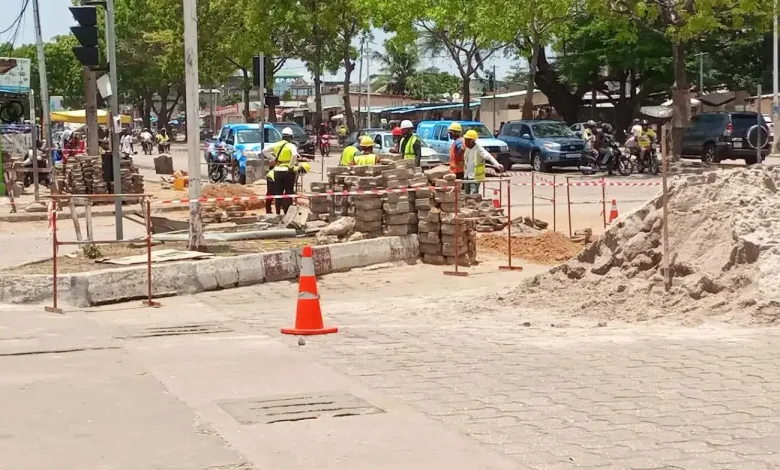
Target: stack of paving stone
321,206
365,208
400,217
491,219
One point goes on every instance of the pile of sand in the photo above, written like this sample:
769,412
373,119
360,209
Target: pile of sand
547,248
232,190
724,230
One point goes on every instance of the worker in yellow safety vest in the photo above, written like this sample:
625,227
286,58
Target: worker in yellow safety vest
284,154
410,145
348,155
367,156
272,189
475,157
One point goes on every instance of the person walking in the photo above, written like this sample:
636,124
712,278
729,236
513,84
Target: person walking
475,158
410,145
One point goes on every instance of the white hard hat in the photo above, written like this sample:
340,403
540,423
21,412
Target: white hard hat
407,124
287,132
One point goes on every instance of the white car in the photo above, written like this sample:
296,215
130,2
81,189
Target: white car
770,124
383,142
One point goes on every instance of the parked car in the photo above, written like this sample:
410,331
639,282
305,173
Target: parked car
770,124
577,128
237,139
718,136
435,134
543,144
300,138
352,137
383,142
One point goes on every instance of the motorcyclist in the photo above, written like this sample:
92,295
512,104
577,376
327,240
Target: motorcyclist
146,139
162,140
636,129
342,133
587,132
646,138
602,141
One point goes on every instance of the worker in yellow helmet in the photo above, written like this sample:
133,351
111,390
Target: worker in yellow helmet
348,155
475,158
366,157
285,157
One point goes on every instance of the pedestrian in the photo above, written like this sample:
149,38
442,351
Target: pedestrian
475,157
410,144
457,150
285,157
126,144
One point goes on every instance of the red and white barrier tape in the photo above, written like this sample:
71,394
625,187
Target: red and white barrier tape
593,183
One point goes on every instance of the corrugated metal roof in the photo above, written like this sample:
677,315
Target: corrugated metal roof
439,106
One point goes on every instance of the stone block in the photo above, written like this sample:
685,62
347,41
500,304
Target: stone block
394,198
423,204
437,260
429,238
368,226
321,205
351,181
418,182
397,219
434,215
280,265
463,260
422,214
436,172
447,229
399,164
376,170
300,218
425,226
318,186
448,249
413,220
395,230
360,170
430,248
337,170
447,207
396,183
397,208
372,215
445,196
163,165
400,174
369,203
369,182
448,218
423,193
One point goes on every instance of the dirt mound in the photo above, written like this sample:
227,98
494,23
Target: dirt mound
547,248
232,190
724,228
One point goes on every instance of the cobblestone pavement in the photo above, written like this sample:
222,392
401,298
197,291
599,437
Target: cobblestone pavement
616,397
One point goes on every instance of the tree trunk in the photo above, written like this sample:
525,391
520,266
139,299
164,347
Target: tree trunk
349,67
466,97
563,97
528,103
268,66
147,110
247,88
681,104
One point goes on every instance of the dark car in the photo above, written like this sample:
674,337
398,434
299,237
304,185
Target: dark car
720,136
543,144
352,137
301,139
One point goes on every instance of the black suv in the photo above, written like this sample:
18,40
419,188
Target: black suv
301,139
726,136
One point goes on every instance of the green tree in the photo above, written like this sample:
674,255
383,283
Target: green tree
433,84
352,16
739,62
683,24
400,61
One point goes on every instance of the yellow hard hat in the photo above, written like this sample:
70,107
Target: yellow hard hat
366,141
471,135
306,167
455,127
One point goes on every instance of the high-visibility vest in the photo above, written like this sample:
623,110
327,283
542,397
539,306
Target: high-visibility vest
479,165
270,176
457,161
409,147
348,156
283,155
365,160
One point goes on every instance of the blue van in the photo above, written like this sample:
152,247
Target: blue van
435,134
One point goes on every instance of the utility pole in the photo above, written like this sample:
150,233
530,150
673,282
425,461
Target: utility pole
44,84
114,132
34,146
368,89
494,100
193,121
360,79
90,111
775,101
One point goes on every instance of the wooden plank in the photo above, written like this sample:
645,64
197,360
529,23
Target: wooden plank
75,217
88,218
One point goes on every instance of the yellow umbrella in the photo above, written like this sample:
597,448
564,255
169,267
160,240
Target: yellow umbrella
79,116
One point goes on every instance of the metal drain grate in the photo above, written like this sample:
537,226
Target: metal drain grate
297,408
177,330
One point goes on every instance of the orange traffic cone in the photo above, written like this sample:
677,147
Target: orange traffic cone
308,316
613,212
496,200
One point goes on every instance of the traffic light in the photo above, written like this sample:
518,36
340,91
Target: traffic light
258,70
87,35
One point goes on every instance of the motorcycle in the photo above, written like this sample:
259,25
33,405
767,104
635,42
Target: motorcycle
29,178
147,147
647,162
218,167
163,147
324,145
590,161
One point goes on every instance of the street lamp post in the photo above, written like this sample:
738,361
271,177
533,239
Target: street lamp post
775,102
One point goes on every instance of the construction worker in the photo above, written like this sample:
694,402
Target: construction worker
285,157
271,190
475,157
366,157
300,170
410,144
397,134
457,150
348,155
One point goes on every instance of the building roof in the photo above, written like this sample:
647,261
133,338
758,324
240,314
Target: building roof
510,94
717,99
287,74
432,107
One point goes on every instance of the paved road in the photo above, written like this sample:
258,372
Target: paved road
462,383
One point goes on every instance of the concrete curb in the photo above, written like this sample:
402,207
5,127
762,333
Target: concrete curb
189,277
42,216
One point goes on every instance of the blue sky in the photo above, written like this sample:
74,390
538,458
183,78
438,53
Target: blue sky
56,20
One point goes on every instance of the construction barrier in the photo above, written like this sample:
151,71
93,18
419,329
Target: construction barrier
56,201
